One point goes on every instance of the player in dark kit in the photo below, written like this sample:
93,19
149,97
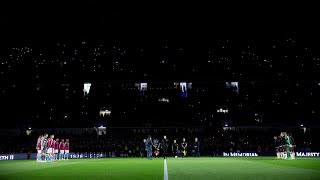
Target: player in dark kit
156,146
44,148
149,145
164,145
143,148
175,148
276,146
196,147
281,146
293,144
184,145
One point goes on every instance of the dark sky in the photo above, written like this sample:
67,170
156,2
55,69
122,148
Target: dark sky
92,19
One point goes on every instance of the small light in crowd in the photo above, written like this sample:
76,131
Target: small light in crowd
301,125
29,127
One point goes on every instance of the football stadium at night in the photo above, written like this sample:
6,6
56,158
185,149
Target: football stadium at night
94,91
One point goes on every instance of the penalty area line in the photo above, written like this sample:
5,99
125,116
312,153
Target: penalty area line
165,170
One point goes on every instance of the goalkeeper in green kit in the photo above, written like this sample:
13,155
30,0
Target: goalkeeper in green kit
287,141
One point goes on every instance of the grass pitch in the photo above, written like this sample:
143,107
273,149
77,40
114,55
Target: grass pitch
184,169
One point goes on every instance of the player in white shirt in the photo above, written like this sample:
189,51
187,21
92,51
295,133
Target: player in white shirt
44,142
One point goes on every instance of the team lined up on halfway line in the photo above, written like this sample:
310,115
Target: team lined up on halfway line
284,146
50,150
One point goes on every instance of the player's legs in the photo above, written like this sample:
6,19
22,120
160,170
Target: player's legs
51,154
38,155
148,153
43,155
285,153
48,154
66,154
281,152
175,153
288,151
165,152
46,157
184,153
197,153
277,152
56,152
292,155
61,155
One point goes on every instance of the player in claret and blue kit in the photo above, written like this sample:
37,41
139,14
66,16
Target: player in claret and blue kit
38,147
66,151
61,148
50,145
56,149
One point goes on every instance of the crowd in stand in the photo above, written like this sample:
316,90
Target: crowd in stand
130,143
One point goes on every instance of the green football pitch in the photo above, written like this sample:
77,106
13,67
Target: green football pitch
184,169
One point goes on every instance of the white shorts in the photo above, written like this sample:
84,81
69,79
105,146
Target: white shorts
39,151
61,151
56,151
66,151
50,150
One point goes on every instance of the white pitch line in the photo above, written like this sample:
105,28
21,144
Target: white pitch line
165,175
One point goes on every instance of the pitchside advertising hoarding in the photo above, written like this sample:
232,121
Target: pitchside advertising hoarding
6,157
307,154
87,155
236,154
250,154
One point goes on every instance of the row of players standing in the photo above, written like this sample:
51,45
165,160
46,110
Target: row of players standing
284,146
148,145
49,150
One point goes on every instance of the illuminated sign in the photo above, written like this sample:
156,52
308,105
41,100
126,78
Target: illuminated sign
87,155
7,157
307,154
240,154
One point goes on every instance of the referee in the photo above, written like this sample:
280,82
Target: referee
164,145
